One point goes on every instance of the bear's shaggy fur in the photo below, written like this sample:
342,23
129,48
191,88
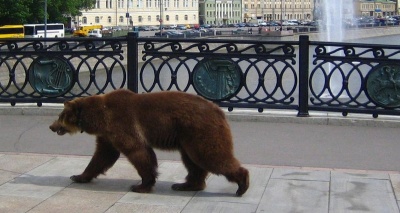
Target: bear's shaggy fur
134,124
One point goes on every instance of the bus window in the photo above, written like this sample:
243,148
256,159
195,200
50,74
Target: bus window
12,31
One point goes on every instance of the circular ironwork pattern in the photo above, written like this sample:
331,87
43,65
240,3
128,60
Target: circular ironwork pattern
51,76
217,79
383,85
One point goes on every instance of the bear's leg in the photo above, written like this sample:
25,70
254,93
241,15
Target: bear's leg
241,177
104,158
195,180
145,161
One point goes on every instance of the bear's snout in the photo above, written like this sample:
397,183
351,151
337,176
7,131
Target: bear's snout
56,127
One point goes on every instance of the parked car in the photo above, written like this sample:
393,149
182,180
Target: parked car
242,24
116,28
172,26
95,33
143,28
154,28
205,26
289,23
169,34
181,27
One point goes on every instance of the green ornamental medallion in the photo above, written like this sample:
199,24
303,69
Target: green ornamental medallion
51,76
383,85
217,79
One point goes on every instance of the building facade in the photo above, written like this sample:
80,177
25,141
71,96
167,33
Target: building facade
220,12
124,13
376,8
277,10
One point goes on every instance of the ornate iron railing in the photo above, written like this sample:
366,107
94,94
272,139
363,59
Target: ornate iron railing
53,70
359,78
298,75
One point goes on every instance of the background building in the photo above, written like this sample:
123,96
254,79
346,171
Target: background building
140,13
220,12
277,10
376,8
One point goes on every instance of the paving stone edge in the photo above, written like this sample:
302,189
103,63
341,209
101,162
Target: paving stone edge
270,116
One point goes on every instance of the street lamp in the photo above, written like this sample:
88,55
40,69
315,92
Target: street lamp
161,15
215,12
281,15
45,18
127,15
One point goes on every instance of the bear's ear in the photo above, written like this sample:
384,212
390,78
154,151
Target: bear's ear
68,104
72,104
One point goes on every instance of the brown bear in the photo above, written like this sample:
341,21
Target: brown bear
133,124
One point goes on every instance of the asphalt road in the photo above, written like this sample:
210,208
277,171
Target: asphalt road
277,144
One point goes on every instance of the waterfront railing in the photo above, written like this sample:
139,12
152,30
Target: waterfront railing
298,75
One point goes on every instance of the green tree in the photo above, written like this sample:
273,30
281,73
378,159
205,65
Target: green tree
14,12
32,11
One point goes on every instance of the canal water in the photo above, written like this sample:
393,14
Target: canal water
385,40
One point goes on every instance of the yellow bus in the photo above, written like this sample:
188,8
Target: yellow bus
12,31
83,30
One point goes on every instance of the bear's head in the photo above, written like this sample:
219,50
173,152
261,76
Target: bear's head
69,120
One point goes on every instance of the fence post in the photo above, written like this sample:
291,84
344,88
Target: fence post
303,75
132,62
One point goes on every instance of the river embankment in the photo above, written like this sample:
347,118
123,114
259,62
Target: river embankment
354,33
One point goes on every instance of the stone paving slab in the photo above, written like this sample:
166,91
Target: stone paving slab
349,192
40,183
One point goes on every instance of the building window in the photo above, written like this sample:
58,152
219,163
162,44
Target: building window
109,19
157,17
186,17
148,18
167,17
121,4
97,5
84,20
121,19
96,20
176,18
140,19
108,3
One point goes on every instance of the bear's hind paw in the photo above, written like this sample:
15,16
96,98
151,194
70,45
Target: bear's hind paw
80,179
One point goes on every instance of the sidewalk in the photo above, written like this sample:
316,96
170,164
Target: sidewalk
35,166
40,183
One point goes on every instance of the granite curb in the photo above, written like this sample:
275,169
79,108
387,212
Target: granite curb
245,115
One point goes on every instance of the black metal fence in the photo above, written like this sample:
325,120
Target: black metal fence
297,75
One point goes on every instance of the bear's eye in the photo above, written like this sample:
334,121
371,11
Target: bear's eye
61,116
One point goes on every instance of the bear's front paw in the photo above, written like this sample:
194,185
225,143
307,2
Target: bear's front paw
141,188
80,179
189,186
